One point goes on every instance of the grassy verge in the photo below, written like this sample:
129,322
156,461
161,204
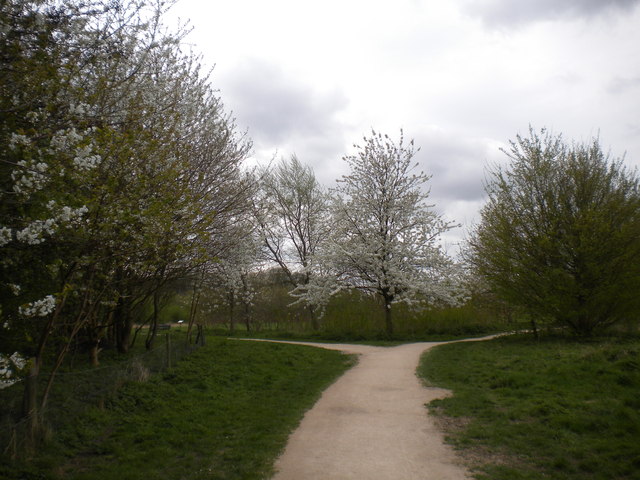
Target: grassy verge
329,337
557,409
224,412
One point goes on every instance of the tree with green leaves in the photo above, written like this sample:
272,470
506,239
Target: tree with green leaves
559,235
119,172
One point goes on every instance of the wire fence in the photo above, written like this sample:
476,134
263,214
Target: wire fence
76,390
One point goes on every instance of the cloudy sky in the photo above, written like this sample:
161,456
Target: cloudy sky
461,77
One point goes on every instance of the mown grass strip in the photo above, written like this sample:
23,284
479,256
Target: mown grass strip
225,412
557,409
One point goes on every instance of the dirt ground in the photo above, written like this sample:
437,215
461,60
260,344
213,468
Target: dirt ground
372,424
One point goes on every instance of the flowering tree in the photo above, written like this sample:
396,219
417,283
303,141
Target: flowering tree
233,274
385,236
292,214
119,170
49,151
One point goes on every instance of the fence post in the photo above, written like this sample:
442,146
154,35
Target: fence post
168,351
200,338
12,447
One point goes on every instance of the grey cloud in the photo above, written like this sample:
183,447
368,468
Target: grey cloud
620,85
275,107
456,164
285,116
513,13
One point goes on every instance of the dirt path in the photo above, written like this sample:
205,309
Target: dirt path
371,424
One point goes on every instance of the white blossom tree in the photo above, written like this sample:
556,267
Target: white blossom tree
292,214
386,237
119,170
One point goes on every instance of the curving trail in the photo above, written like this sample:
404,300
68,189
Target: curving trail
372,424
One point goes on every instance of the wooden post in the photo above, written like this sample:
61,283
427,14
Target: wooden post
168,351
29,403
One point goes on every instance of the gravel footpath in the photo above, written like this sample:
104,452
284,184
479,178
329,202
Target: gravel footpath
372,424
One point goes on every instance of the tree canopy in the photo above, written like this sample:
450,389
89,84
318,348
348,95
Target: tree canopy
120,170
386,237
559,234
292,212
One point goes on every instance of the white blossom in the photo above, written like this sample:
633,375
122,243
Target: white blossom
84,160
71,215
33,234
5,236
15,289
87,163
17,139
9,366
64,139
78,109
39,308
32,116
29,177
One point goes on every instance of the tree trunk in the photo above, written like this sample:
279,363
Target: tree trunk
30,401
315,324
30,394
153,327
232,322
79,323
247,317
195,302
193,310
388,319
200,337
123,324
534,329
585,325
94,353
246,302
124,339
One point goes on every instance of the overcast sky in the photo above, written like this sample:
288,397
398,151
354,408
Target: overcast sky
461,77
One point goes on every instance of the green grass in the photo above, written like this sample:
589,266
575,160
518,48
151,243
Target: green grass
323,337
554,409
225,412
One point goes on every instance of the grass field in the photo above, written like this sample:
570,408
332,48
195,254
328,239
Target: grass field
554,409
224,412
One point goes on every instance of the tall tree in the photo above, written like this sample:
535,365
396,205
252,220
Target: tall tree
119,169
292,216
386,237
559,234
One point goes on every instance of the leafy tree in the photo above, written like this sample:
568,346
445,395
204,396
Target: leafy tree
119,171
559,234
230,278
385,236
